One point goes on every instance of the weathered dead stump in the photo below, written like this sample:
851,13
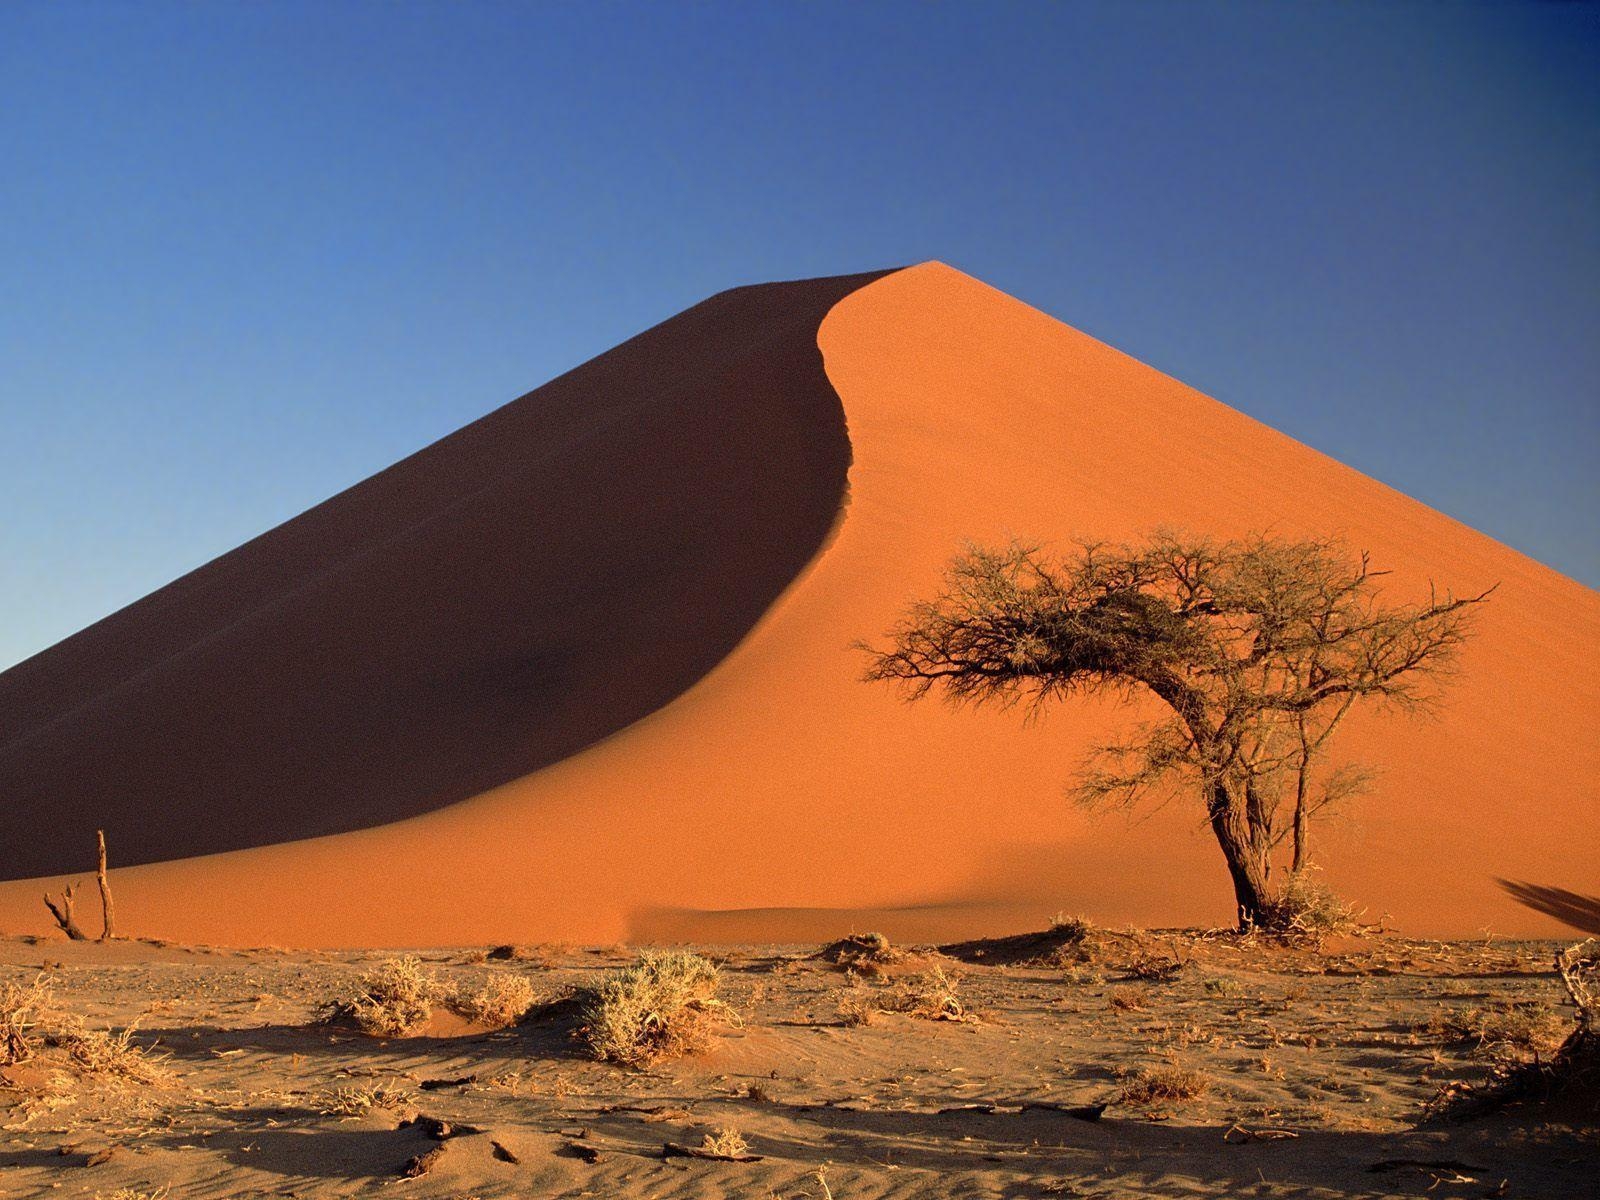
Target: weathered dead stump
108,910
61,909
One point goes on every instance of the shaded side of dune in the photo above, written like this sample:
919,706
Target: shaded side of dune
496,602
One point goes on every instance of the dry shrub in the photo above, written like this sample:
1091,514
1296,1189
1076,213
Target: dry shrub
1064,943
660,1007
929,994
25,1027
514,953
1308,910
727,1142
1569,1078
1579,969
863,953
399,995
1130,999
1070,928
392,999
1575,1069
504,1000
357,1101
108,1053
20,1006
1150,968
858,1004
1501,1027
1166,1084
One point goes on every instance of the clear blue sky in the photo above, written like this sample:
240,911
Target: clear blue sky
254,252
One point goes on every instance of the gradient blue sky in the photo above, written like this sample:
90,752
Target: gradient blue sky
254,252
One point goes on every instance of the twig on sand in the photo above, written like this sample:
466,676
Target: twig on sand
1238,1135
677,1150
438,1130
421,1164
430,1085
1078,1112
1424,1164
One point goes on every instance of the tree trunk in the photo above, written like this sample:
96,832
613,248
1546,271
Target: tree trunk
108,913
1248,859
61,910
1302,832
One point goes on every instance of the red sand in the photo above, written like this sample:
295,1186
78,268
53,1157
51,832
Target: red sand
778,797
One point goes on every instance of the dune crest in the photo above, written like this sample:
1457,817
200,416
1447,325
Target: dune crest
490,605
779,792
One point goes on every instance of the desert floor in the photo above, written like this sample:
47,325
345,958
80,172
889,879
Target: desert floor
1319,1066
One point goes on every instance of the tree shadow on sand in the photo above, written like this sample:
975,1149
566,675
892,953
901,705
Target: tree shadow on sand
1572,908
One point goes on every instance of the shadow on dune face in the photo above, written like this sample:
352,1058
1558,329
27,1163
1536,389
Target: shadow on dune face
1575,909
494,603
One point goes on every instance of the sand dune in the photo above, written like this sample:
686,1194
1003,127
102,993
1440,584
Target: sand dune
491,605
596,651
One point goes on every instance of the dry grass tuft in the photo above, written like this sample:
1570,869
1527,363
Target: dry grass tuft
1130,999
929,994
399,995
858,1004
1503,1028
20,1006
727,1142
357,1101
109,1054
1150,968
660,1007
392,999
1168,1084
1226,986
1308,910
1568,1077
503,1000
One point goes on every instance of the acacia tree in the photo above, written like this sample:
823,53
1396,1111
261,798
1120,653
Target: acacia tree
1257,648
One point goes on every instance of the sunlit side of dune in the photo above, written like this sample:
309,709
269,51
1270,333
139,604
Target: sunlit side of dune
780,782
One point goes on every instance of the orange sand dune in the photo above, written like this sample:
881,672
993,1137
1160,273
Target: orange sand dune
491,605
655,525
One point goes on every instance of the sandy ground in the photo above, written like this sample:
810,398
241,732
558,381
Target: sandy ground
1319,1066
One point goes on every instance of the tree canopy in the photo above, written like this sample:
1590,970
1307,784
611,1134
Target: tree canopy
1257,647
